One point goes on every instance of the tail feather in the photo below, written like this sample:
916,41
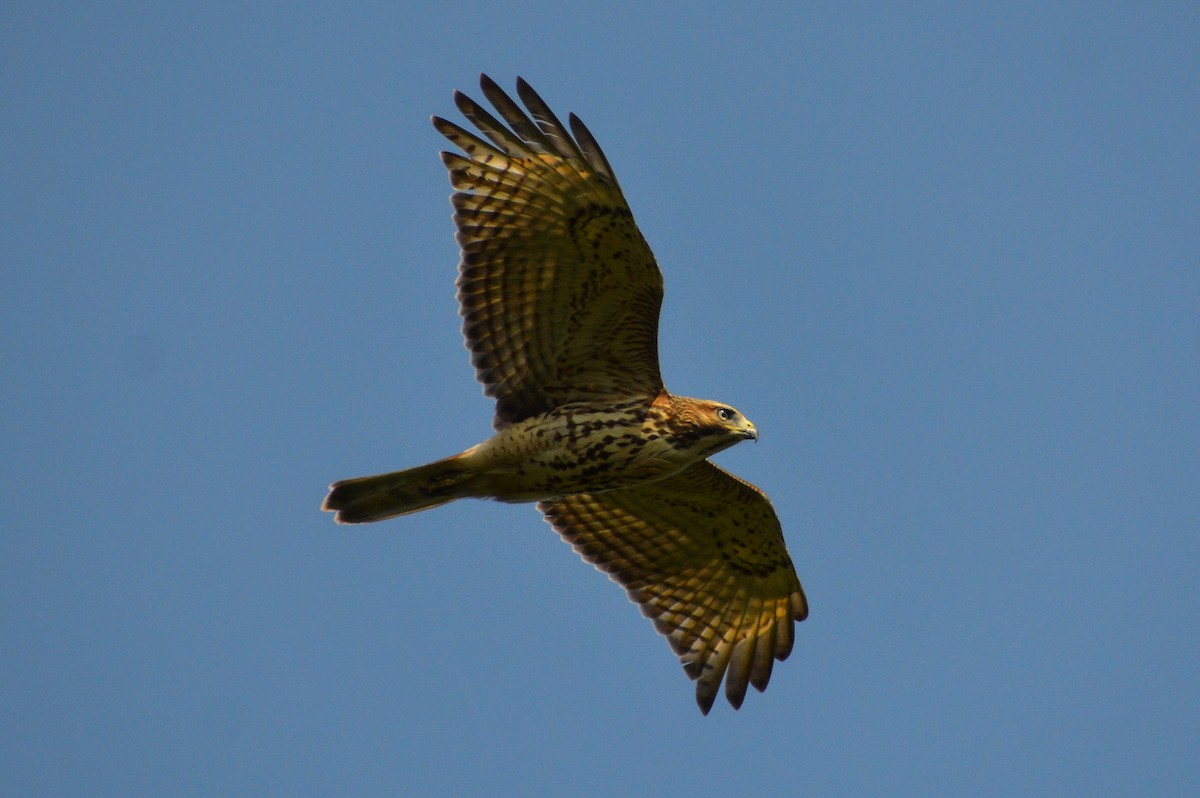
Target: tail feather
365,499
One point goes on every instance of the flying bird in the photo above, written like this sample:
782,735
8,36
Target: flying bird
560,296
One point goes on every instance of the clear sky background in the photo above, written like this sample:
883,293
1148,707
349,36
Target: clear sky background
946,256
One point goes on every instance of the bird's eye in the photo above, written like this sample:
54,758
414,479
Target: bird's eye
726,413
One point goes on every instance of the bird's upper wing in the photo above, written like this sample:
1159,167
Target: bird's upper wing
702,553
559,292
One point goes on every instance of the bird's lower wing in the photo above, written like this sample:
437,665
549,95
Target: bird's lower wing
703,555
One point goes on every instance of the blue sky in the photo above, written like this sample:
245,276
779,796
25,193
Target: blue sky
945,256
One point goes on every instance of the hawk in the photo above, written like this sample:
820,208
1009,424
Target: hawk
560,297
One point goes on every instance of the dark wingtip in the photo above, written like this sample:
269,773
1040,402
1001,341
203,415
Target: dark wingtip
761,679
735,693
487,84
800,612
462,102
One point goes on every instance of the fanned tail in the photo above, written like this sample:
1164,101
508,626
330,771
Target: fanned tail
366,499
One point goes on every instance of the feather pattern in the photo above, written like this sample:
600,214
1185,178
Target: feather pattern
559,292
703,555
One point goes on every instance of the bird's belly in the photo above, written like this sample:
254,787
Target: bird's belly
570,451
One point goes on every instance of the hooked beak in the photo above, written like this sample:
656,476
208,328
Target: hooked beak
750,433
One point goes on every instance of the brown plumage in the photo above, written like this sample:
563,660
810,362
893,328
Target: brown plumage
560,296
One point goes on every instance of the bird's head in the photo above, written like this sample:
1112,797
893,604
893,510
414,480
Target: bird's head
708,426
731,422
